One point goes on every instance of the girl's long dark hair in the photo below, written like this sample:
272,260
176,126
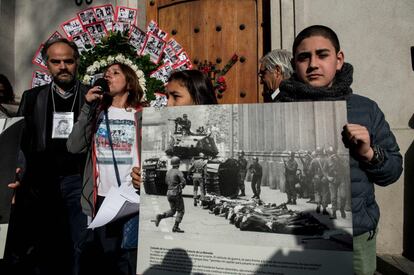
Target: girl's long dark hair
198,84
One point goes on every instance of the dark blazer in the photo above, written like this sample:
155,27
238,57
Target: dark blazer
33,107
267,96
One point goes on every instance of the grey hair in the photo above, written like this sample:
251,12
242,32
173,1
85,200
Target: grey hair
281,58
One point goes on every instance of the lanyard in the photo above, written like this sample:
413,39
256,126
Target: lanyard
74,99
112,147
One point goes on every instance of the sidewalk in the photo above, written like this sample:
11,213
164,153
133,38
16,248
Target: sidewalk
394,265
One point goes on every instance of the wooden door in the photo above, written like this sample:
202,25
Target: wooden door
214,30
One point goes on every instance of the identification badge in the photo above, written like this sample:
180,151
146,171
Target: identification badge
62,124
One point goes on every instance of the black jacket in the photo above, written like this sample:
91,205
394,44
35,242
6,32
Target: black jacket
33,107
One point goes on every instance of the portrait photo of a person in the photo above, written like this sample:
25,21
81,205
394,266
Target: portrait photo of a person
63,128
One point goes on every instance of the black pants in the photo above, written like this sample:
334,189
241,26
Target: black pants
101,251
176,205
46,225
256,182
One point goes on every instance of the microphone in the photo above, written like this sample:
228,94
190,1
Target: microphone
101,82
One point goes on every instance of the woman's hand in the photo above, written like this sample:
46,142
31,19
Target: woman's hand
94,94
136,177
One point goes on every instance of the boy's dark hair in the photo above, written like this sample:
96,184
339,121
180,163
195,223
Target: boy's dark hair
60,40
198,84
317,30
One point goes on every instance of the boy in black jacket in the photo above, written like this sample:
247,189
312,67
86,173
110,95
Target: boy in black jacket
322,74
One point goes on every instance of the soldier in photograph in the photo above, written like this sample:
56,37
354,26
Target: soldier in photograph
256,170
307,186
198,171
290,175
337,178
176,183
242,165
320,182
182,125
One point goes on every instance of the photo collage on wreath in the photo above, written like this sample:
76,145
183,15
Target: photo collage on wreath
89,26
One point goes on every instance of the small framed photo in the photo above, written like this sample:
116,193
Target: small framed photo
154,46
162,34
160,101
155,29
72,27
175,45
54,36
152,27
125,14
137,38
84,41
163,72
40,78
105,13
123,27
87,16
183,56
96,31
38,59
184,65
169,55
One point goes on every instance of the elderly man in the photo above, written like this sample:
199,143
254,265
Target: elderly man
49,198
275,66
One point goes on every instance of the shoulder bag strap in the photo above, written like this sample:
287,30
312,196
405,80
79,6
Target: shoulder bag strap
112,147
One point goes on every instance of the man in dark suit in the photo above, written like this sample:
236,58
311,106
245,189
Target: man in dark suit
275,66
49,215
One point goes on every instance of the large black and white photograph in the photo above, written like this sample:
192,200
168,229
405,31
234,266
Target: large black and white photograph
252,188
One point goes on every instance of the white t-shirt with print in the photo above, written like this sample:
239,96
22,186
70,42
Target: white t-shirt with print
123,132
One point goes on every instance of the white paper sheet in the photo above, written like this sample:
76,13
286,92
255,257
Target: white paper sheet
119,202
